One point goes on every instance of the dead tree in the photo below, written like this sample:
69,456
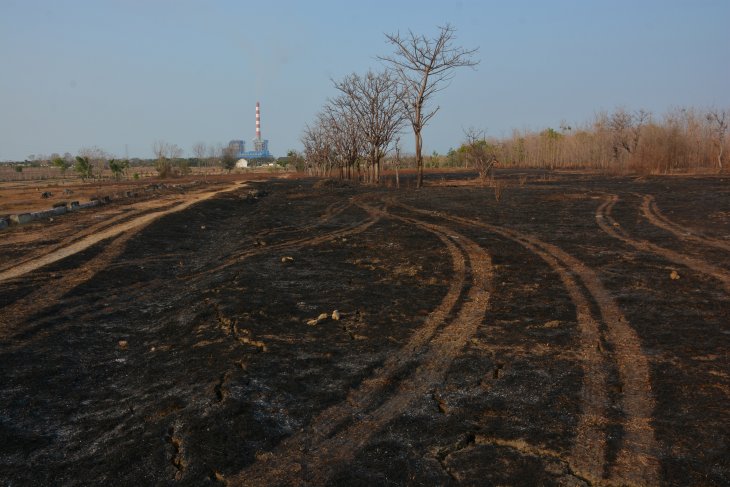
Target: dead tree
718,122
344,133
425,66
318,149
375,102
200,150
626,130
479,153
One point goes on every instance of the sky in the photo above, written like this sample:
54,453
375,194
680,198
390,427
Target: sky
122,74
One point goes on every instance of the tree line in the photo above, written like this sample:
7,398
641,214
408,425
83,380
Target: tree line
623,141
358,128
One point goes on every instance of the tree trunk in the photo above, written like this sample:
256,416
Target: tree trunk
419,158
397,179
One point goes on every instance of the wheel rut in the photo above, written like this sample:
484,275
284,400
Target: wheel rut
134,225
337,434
636,461
651,212
330,212
609,225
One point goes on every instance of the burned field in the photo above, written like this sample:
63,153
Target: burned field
575,332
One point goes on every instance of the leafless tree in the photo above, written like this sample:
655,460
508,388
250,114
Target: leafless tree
479,153
167,155
98,158
374,101
318,150
341,127
626,129
718,120
200,150
425,66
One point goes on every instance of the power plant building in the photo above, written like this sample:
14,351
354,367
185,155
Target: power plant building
260,152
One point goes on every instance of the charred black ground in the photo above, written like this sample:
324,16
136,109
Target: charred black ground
220,368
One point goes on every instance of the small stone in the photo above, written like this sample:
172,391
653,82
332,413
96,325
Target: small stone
322,317
674,275
202,227
286,259
312,322
335,315
152,349
123,344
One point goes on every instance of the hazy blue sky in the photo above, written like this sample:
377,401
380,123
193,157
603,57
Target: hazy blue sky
126,73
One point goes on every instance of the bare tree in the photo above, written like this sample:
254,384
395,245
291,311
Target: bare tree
626,129
424,67
374,101
200,150
97,158
340,125
479,153
718,120
167,155
318,148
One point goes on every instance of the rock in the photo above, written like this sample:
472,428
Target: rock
3,223
21,218
123,344
335,315
287,259
674,275
313,322
322,317
46,194
202,227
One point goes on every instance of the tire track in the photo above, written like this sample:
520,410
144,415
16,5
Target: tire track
15,314
132,212
336,435
296,242
651,212
612,227
636,461
133,225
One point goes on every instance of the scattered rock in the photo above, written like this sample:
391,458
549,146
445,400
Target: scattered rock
318,319
335,315
46,194
202,227
123,344
287,259
674,275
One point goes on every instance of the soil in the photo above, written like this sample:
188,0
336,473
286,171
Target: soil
557,329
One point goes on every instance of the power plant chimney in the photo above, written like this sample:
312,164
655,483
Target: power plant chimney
258,122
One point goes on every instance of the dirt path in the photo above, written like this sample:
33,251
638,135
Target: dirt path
636,462
651,212
338,433
613,228
135,225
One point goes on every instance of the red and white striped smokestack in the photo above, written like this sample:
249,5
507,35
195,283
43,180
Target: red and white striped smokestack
258,122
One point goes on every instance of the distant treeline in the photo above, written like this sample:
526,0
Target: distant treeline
683,140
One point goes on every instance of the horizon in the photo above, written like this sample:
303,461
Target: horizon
121,76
